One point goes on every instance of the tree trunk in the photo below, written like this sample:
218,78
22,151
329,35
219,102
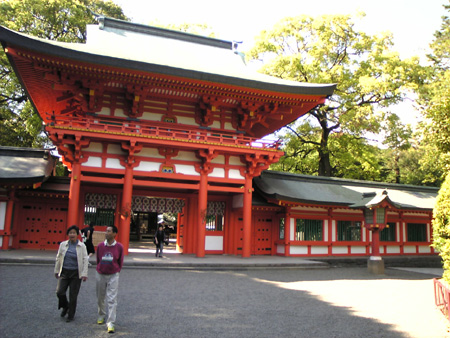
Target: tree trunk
325,168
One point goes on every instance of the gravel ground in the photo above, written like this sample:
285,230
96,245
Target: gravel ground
335,302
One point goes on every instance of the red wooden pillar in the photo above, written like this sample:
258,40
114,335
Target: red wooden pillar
375,242
204,169
287,232
74,194
247,217
8,219
125,210
202,210
129,162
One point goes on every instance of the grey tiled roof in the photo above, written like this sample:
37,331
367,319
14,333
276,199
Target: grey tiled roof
25,165
335,191
138,47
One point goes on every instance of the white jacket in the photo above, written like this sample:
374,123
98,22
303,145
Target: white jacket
82,258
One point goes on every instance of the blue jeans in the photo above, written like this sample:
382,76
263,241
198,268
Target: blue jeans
159,247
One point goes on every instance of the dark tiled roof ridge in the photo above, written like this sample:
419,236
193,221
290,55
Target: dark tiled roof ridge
24,151
106,22
353,182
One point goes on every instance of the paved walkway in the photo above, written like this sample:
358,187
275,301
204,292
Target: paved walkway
339,302
145,258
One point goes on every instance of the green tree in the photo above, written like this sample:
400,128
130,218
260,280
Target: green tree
435,94
351,157
328,49
441,226
419,166
61,20
397,140
435,100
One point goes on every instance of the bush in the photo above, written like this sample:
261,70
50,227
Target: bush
441,226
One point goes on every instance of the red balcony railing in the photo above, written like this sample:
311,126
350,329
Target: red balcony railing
144,129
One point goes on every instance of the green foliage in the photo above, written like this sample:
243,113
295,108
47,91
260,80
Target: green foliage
328,49
441,226
350,157
435,94
420,166
62,20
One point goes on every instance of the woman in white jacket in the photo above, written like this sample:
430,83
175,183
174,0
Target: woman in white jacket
70,269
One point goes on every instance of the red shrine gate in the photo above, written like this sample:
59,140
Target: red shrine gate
130,122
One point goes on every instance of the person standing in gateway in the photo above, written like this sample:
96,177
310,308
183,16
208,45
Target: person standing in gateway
109,263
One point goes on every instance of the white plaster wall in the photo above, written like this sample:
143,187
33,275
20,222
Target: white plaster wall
235,174
104,111
424,249
95,147
325,230
149,152
403,224
115,149
147,166
2,215
153,116
280,249
393,249
119,113
113,163
187,156
319,250
228,126
216,124
218,172
299,250
333,230
358,250
92,161
186,120
409,249
218,160
186,169
235,160
339,250
292,228
214,243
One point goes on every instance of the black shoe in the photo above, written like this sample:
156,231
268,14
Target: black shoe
69,319
64,311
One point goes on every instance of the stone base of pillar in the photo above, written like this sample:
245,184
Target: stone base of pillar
375,265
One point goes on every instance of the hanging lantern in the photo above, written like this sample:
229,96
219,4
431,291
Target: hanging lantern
375,217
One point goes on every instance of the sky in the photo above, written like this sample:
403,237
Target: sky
412,22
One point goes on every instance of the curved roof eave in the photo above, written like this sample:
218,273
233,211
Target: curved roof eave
11,38
332,191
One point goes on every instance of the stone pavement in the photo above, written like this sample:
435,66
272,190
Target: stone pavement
230,296
145,258
339,302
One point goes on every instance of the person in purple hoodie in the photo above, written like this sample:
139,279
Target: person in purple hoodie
109,263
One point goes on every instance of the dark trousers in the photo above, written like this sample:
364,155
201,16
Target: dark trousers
68,279
159,247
